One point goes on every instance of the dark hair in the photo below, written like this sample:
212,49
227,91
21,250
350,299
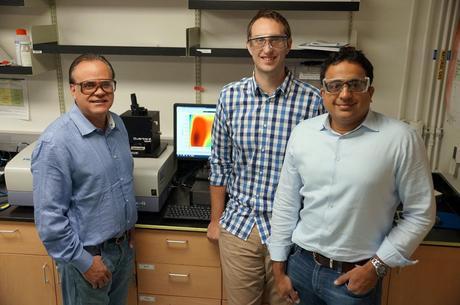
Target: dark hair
88,57
349,54
269,14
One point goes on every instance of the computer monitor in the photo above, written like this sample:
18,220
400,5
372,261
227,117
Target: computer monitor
192,130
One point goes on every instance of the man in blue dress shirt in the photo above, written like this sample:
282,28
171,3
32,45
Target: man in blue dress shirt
84,202
252,125
343,177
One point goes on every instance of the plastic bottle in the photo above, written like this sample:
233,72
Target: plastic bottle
23,39
26,53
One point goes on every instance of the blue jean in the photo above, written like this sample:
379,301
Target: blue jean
119,259
315,283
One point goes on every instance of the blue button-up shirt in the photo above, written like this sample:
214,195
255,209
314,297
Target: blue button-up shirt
82,186
249,138
338,192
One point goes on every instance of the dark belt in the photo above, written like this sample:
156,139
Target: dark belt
96,250
118,240
338,266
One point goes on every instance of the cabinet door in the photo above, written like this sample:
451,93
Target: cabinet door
145,299
180,280
20,237
435,279
26,279
170,247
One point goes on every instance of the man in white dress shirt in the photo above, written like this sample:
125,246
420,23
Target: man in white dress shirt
344,174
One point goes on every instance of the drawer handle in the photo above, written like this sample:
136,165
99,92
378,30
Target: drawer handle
9,231
176,242
179,275
45,276
58,274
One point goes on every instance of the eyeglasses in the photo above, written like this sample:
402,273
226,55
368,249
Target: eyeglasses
335,86
276,42
88,87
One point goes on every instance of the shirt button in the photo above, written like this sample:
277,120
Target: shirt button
121,179
257,196
114,156
263,149
126,200
265,125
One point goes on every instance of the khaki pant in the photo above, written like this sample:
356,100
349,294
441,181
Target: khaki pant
247,270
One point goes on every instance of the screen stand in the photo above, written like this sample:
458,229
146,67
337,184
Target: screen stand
190,170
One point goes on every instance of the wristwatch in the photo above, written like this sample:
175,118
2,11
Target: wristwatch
380,268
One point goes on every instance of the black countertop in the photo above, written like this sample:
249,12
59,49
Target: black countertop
145,220
148,220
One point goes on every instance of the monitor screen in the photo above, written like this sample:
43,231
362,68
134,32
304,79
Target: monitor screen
192,130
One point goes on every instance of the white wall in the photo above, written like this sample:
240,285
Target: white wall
158,81
42,89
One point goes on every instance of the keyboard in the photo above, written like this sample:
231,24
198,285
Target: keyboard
188,212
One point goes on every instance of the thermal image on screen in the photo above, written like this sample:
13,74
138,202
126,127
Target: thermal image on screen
193,127
200,130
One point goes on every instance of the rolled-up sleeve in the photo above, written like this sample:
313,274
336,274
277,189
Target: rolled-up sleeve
415,189
52,190
286,208
221,147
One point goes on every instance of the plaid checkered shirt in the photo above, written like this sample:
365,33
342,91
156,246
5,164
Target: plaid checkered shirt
249,138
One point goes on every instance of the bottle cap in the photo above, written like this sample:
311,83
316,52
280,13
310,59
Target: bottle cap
21,32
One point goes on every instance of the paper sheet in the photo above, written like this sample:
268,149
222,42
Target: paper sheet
14,100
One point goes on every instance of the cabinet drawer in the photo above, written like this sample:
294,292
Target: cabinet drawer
170,247
145,299
20,237
179,280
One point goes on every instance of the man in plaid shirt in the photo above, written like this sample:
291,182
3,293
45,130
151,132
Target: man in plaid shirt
253,122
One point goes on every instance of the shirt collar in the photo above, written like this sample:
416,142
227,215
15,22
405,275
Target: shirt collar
84,125
283,89
370,122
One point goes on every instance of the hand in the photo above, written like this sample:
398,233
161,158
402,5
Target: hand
213,231
361,279
98,275
285,289
132,238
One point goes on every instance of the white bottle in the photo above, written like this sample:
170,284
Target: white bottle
26,53
22,38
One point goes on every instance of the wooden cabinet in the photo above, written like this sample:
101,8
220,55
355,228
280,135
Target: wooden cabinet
26,279
434,280
26,272
177,268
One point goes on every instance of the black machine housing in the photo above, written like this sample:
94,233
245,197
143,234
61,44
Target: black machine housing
143,128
